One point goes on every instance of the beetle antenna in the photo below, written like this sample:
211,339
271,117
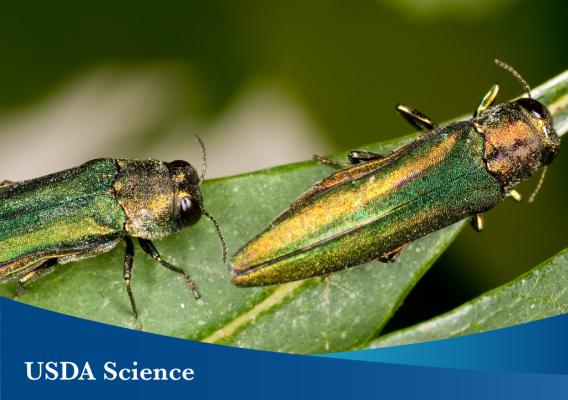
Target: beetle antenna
512,70
203,158
539,185
218,229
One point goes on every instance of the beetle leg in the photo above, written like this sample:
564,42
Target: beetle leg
151,250
514,195
127,276
477,222
361,156
41,269
5,183
392,255
487,100
415,117
355,157
328,161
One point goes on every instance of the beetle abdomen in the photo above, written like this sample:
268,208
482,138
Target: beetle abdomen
69,231
61,215
63,187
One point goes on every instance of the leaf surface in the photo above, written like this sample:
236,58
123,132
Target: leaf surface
538,294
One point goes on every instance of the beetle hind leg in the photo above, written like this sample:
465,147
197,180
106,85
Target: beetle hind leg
127,276
393,255
415,117
151,250
42,269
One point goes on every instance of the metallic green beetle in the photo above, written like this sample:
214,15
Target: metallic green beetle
373,209
87,210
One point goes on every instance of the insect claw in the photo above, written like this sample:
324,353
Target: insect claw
137,324
192,288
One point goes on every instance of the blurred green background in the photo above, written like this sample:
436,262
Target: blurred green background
266,83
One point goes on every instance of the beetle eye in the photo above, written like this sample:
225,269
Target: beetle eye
548,156
190,211
536,114
537,109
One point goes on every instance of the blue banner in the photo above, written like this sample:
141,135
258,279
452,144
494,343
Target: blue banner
52,356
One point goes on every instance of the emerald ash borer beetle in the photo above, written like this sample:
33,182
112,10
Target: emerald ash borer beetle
376,205
88,210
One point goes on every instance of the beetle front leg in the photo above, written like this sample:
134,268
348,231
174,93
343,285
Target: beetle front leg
127,276
151,250
5,182
487,100
415,117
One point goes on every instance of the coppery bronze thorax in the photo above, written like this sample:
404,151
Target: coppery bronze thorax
146,191
518,140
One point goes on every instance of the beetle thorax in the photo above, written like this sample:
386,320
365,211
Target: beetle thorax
513,145
146,192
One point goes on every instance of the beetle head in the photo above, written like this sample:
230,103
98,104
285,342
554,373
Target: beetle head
187,199
538,116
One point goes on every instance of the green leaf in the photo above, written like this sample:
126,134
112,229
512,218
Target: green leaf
540,293
338,313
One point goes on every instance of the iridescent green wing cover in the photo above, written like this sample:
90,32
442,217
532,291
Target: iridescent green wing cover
357,214
69,214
